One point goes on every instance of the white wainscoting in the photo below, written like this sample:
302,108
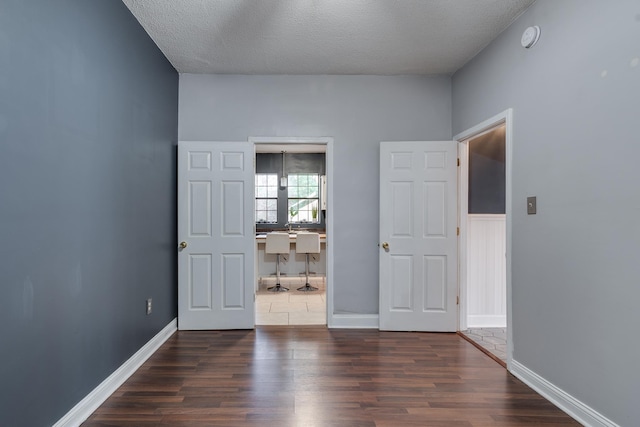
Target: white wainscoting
486,271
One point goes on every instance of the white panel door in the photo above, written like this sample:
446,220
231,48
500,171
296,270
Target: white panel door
418,236
216,235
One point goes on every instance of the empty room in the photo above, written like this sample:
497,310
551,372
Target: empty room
242,213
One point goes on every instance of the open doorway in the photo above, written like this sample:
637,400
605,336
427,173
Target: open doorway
485,236
486,242
292,199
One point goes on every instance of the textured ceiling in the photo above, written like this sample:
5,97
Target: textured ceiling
323,36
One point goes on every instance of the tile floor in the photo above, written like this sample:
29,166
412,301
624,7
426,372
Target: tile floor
493,340
293,307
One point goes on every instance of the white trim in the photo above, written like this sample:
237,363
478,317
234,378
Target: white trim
330,219
79,413
487,321
581,412
463,209
505,117
354,321
285,140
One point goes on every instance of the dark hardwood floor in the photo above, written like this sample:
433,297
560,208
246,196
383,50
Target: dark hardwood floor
313,376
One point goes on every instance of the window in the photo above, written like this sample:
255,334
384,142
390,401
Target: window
303,197
267,198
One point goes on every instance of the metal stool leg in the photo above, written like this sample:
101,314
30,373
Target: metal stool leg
277,287
307,287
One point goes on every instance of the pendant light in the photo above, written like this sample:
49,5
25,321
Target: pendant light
283,178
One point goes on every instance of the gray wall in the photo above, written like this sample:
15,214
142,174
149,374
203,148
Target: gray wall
487,173
576,102
358,112
88,129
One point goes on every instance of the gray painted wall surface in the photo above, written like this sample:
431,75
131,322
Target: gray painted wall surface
358,112
88,129
487,173
576,102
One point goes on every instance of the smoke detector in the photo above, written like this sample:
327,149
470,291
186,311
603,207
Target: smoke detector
530,36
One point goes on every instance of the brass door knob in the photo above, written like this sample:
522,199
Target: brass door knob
385,245
183,245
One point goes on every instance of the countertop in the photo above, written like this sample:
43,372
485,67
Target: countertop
262,237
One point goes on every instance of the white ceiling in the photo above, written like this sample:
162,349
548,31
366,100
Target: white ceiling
323,36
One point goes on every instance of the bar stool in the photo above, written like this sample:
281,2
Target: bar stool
307,243
277,243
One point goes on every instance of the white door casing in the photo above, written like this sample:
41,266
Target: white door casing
505,117
215,221
418,222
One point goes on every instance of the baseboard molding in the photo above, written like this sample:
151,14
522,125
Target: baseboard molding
487,321
79,413
576,409
354,321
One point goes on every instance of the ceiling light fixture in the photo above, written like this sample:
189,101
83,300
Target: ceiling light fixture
283,178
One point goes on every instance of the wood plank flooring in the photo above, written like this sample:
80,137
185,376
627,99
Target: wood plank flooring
313,376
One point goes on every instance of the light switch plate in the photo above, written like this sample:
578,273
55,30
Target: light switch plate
531,205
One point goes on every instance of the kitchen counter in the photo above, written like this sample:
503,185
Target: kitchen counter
262,238
292,264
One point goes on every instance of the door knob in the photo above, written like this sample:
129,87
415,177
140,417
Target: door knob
183,245
385,245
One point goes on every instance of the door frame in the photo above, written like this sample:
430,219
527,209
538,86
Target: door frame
506,118
328,143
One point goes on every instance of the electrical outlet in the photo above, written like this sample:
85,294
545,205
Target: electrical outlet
149,306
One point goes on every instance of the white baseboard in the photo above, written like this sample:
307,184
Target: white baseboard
354,321
576,409
487,321
79,413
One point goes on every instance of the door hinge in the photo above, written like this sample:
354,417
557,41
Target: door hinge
457,300
457,231
458,161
